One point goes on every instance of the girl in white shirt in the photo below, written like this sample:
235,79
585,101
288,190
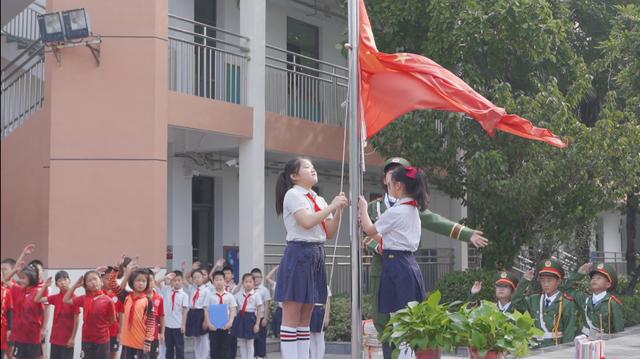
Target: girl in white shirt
401,280
302,280
195,316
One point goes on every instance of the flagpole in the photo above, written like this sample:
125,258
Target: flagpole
355,150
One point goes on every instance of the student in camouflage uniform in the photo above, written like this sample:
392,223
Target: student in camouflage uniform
430,221
505,284
554,311
601,311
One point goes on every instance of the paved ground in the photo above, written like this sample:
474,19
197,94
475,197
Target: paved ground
622,346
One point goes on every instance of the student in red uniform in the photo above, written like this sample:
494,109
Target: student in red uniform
10,268
65,318
6,316
138,322
27,329
114,330
98,313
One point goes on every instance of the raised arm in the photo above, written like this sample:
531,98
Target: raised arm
438,224
69,294
270,275
518,299
309,220
40,298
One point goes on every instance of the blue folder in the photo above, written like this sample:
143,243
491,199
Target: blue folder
219,315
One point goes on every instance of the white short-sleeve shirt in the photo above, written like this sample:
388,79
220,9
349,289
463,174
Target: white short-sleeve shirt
294,200
264,292
400,227
227,298
202,296
252,303
173,311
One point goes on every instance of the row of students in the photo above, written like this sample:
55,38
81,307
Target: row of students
559,308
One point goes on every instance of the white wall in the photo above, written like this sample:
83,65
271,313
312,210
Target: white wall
611,231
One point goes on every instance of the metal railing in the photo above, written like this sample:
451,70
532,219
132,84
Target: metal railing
24,27
305,87
22,90
207,61
474,257
433,263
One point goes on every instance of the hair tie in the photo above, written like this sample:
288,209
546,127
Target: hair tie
412,172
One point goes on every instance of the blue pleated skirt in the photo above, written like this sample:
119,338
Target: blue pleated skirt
243,325
317,319
301,276
400,282
195,318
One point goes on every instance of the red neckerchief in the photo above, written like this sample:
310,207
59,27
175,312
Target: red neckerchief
88,303
246,301
173,299
134,299
318,209
221,296
196,296
411,203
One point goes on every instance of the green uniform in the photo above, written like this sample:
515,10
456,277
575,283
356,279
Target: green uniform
431,222
502,278
558,318
606,316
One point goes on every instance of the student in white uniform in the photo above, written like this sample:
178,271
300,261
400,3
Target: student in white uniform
302,279
260,342
176,306
195,317
220,338
247,323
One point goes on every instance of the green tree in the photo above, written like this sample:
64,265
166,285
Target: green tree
524,56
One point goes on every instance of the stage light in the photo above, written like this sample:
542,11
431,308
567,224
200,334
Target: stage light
76,24
51,27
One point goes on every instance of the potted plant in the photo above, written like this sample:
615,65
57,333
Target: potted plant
427,328
490,333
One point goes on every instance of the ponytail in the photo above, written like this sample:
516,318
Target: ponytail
285,182
415,184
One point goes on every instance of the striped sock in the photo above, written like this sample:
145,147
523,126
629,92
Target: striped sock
288,342
304,333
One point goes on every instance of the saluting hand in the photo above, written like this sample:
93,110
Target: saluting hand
477,287
585,268
478,240
529,275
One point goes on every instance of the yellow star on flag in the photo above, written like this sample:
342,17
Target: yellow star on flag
402,58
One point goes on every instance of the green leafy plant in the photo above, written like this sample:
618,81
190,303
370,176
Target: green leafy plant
488,329
425,325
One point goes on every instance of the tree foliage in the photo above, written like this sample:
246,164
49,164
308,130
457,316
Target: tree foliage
549,61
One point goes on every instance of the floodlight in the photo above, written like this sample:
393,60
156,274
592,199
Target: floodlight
76,24
51,27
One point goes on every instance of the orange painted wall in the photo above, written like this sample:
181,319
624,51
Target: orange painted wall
108,185
210,115
25,187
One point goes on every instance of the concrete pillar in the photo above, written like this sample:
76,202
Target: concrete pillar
179,226
252,151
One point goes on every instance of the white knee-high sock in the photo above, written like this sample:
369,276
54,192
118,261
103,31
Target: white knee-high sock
202,347
317,345
250,349
246,348
303,334
288,342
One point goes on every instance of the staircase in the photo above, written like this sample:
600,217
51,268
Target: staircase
22,89
526,260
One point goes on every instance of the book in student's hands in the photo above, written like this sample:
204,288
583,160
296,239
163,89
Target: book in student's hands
219,315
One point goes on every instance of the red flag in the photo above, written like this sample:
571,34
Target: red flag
394,84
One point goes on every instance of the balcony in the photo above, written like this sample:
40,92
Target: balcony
211,62
207,61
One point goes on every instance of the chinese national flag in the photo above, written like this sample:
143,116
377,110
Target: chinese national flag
394,84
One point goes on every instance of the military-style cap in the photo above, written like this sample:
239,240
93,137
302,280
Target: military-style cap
608,271
394,161
551,266
507,278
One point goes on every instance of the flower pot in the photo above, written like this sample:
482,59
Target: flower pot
429,354
474,354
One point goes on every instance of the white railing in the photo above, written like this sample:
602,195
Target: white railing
433,263
22,90
207,61
304,87
25,25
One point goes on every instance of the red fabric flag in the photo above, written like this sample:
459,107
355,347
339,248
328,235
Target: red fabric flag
394,84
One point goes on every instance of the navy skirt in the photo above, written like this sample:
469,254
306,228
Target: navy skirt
400,282
317,319
276,322
243,326
195,318
301,276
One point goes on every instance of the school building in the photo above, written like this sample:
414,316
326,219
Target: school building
162,134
